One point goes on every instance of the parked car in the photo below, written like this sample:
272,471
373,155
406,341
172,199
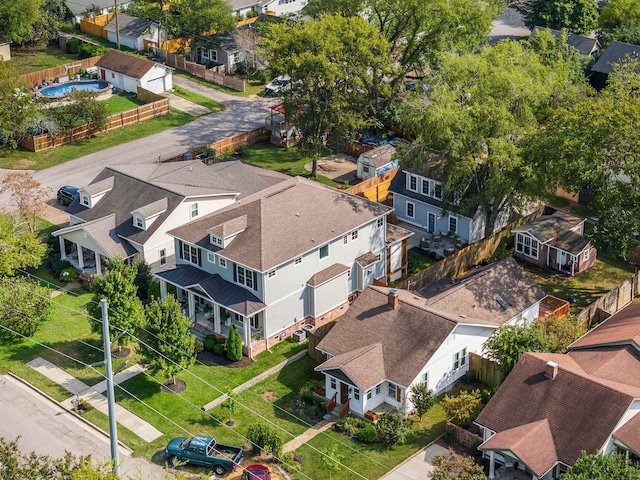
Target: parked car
283,82
256,472
202,450
67,194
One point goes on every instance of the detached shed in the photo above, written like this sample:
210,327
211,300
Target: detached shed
376,161
133,31
126,72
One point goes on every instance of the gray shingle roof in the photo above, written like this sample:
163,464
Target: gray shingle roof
99,187
396,233
79,6
129,26
584,45
154,208
284,222
381,155
556,230
614,54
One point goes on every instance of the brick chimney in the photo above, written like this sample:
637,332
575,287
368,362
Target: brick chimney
393,298
551,369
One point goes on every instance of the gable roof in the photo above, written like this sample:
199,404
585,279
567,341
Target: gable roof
284,222
629,434
555,230
582,410
381,155
134,67
483,293
614,54
584,45
619,329
79,6
129,26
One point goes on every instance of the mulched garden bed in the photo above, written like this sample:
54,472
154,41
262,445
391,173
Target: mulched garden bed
170,386
122,352
222,360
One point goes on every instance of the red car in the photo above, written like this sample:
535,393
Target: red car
256,472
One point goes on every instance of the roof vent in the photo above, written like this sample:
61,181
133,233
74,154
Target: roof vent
392,299
551,369
503,303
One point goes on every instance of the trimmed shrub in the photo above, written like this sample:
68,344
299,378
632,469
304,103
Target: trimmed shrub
306,392
59,265
463,408
265,437
209,342
86,50
73,44
368,434
68,274
218,348
221,340
234,344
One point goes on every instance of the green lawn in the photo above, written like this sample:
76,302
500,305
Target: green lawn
24,159
418,262
252,87
586,287
121,102
199,99
25,61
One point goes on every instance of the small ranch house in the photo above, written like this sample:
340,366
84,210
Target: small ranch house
274,7
133,31
556,241
126,72
376,161
389,340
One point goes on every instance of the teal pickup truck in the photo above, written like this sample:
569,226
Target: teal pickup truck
202,450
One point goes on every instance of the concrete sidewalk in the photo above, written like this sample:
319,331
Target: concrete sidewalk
186,106
127,419
307,435
267,373
418,466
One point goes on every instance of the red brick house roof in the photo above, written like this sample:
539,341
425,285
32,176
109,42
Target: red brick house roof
621,328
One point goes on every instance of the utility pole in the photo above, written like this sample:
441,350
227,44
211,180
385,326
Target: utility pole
117,29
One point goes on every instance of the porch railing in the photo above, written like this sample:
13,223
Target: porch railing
332,403
345,409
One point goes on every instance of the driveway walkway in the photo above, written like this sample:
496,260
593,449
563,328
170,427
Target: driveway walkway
307,435
418,466
127,419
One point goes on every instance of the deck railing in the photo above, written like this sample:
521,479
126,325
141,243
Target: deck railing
332,403
345,409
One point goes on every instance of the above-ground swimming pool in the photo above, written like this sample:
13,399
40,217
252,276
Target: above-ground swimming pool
61,90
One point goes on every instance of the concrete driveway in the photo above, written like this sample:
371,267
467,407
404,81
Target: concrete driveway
47,429
241,115
418,466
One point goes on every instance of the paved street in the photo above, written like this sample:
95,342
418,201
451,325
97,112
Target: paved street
241,115
48,429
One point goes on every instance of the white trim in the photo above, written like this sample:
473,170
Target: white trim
413,210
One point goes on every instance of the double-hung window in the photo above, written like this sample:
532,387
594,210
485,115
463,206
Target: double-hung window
460,359
246,277
191,254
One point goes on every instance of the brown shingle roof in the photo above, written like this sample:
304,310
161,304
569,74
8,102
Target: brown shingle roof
623,327
616,363
582,410
128,65
230,227
381,155
327,274
629,433
285,221
361,365
531,443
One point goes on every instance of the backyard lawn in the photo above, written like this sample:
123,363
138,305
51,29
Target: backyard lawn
25,61
199,99
252,87
586,287
121,102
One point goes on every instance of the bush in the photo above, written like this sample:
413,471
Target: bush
209,342
87,50
291,462
221,340
153,291
59,265
306,392
218,348
68,274
368,434
73,44
262,76
234,344
463,408
241,150
265,437
198,348
393,428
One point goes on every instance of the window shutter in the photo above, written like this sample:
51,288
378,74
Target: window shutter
255,280
235,272
199,257
180,249
397,393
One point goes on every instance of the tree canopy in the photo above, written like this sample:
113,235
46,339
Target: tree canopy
26,195
577,16
201,17
476,113
17,109
336,66
18,18
24,307
456,467
509,343
601,467
19,246
620,20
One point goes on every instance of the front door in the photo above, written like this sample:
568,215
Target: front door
344,393
431,221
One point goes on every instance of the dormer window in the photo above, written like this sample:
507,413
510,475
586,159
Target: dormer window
413,183
138,222
215,240
194,210
84,200
437,191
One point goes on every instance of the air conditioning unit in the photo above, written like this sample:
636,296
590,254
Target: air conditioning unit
299,335
308,329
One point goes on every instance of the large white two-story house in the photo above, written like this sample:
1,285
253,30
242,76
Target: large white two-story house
289,255
127,210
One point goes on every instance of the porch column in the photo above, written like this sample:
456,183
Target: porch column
98,264
217,315
247,331
80,256
163,289
63,250
492,465
573,264
192,305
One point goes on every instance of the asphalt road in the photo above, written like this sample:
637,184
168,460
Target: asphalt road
47,429
241,115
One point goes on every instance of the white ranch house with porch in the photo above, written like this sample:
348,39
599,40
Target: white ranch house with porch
290,255
127,210
389,340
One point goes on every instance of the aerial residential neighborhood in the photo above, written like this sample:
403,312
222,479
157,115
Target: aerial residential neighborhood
307,239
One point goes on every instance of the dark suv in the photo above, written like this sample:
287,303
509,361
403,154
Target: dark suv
67,194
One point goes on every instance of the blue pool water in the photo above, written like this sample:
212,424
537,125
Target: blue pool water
60,90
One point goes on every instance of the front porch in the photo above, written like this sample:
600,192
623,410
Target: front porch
83,259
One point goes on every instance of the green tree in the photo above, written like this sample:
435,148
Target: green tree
234,344
126,312
168,346
264,437
331,460
620,20
231,404
52,13
84,108
17,109
593,142
24,307
336,66
17,19
393,427
20,246
456,467
560,332
26,195
577,16
201,17
422,398
142,280
344,8
464,407
509,343
478,111
601,467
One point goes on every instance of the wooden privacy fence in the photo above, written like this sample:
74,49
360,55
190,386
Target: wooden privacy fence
95,26
464,259
376,188
36,78
485,370
462,436
38,143
181,63
616,299
314,339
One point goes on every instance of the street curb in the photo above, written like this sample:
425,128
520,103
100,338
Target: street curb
74,414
